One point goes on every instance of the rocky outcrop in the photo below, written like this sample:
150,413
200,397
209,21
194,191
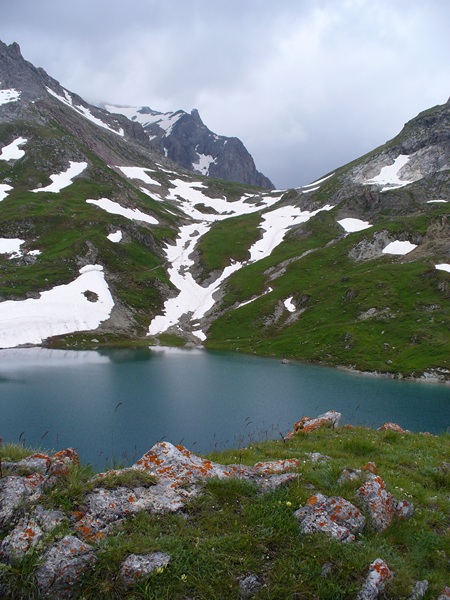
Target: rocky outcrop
335,517
306,424
185,139
137,567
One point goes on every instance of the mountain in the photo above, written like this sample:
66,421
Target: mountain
104,240
186,140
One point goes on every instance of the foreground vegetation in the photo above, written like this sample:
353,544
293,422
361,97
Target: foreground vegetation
232,530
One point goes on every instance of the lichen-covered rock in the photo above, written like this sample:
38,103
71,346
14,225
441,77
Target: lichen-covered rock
404,510
379,575
380,503
389,426
139,566
249,586
349,475
14,490
22,538
48,519
336,517
306,424
178,466
63,568
62,461
445,594
419,590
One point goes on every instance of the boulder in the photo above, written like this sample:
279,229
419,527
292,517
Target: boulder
330,418
391,427
445,594
63,568
334,516
139,566
249,586
380,503
379,575
419,590
15,490
22,538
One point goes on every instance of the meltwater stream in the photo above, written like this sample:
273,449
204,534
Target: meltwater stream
113,405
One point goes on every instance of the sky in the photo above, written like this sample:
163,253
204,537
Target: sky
307,85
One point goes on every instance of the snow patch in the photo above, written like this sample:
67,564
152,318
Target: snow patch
83,111
115,237
203,163
399,248
289,305
78,306
10,95
113,208
437,201
13,150
4,190
64,179
389,176
318,182
352,225
165,120
443,267
11,246
138,173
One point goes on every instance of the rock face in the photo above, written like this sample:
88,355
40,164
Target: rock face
185,139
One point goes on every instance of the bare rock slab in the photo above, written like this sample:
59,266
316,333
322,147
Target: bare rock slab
380,503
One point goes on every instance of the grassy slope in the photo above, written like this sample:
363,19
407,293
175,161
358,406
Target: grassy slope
232,530
334,290
64,228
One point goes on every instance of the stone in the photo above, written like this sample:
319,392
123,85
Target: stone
419,590
15,490
380,503
317,457
64,565
20,540
327,569
349,475
404,510
139,566
445,594
306,424
379,575
334,516
391,427
249,586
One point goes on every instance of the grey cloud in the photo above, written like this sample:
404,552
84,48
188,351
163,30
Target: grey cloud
306,85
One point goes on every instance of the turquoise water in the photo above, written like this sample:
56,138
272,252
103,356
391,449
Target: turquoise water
114,405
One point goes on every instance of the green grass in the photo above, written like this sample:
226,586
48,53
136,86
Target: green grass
232,529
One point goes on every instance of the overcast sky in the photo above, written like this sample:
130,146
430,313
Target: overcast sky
307,85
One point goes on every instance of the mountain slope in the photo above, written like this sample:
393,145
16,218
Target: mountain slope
186,140
353,269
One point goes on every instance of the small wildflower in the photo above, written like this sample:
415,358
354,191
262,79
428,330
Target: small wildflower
159,570
183,577
288,503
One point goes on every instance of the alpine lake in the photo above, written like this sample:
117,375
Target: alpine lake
113,405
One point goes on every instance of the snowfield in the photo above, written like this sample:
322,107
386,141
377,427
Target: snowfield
64,179
13,150
389,176
83,111
10,95
11,246
352,225
194,301
113,208
138,173
399,248
63,309
4,190
443,267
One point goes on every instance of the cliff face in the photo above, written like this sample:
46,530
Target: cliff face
186,140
